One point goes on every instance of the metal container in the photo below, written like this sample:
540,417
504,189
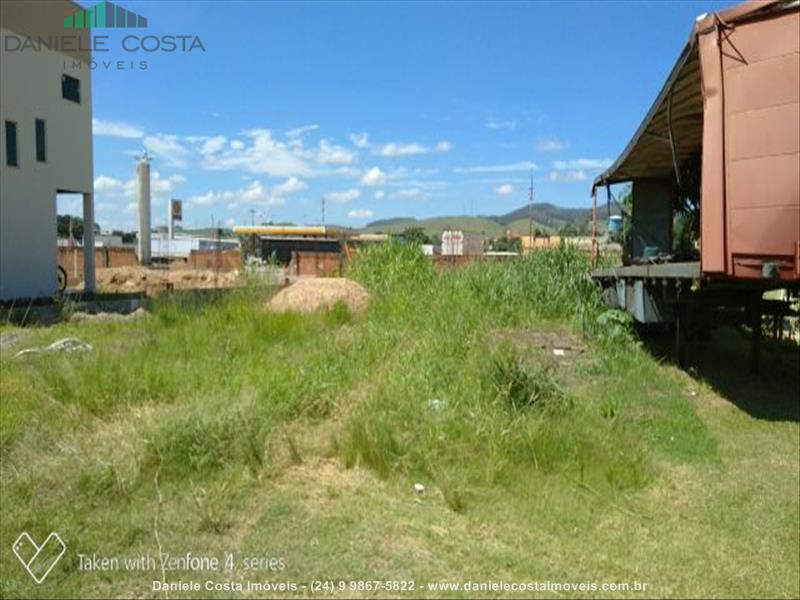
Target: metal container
614,224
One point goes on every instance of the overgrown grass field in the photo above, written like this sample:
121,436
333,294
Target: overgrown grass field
215,426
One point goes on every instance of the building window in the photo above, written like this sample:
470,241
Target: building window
70,88
41,152
11,144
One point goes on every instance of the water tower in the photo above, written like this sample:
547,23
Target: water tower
143,180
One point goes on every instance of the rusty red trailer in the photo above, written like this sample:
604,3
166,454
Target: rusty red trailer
730,109
733,101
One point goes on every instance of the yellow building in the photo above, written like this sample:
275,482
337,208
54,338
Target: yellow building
539,242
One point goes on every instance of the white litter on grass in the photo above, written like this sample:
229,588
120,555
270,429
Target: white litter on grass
419,488
436,404
69,344
559,352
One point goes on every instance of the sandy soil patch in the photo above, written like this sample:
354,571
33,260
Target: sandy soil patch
155,281
308,295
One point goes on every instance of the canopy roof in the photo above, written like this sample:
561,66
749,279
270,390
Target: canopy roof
677,113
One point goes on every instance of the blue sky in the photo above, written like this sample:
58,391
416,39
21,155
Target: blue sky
385,109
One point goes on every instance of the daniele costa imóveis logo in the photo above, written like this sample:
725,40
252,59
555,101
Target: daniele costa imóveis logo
90,36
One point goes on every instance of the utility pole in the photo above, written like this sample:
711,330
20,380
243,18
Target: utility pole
253,246
323,210
530,214
172,217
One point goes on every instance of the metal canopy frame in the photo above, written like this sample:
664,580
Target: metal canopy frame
672,129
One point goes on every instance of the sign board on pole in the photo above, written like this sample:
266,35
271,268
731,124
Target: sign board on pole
177,210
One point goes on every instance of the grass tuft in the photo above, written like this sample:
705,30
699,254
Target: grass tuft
523,384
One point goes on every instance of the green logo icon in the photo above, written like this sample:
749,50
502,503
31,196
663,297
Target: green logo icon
103,16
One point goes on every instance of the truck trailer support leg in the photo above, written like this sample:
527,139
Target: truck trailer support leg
754,318
681,329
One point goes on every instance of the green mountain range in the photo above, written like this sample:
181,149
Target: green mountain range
547,217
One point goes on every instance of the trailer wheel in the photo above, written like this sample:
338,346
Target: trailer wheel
62,279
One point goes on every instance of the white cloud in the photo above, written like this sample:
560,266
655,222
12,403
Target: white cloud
493,123
360,140
291,186
394,150
506,168
332,154
264,155
570,175
213,144
106,184
550,145
505,189
116,129
428,184
342,197
493,180
581,163
444,146
379,194
168,148
157,183
360,213
206,199
254,193
300,131
237,144
409,194
344,171
405,173
374,177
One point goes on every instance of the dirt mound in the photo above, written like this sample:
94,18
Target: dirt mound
154,281
308,295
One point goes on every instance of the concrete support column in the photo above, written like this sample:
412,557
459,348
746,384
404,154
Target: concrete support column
88,244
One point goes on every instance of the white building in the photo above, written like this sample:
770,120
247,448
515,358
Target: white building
461,243
162,247
45,141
